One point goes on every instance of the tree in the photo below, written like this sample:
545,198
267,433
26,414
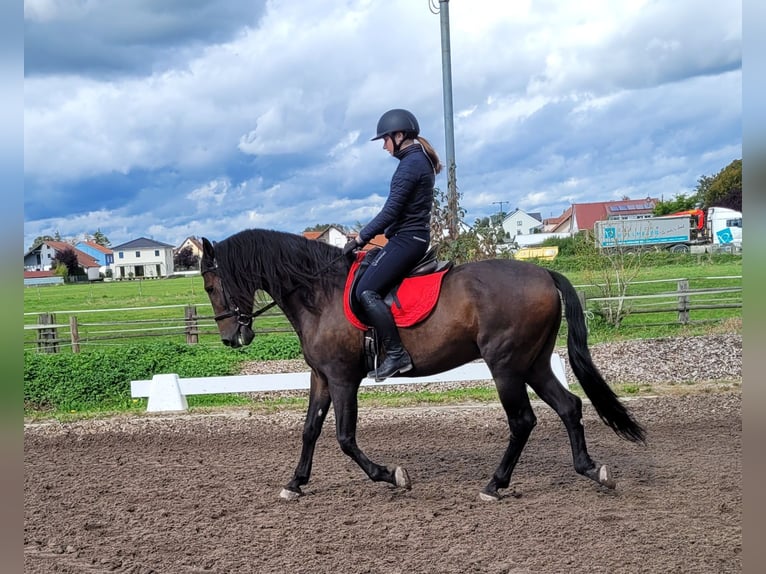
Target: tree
473,244
68,258
186,259
611,271
323,226
724,187
39,240
100,239
678,203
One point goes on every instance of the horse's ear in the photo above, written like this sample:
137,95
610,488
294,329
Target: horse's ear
207,248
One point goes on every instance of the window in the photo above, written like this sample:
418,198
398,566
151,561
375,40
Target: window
518,223
138,254
120,255
156,252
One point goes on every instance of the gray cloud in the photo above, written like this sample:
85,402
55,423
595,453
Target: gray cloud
214,116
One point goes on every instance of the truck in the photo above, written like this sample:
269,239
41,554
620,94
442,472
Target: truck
693,230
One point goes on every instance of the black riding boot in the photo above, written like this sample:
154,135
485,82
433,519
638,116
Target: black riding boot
379,316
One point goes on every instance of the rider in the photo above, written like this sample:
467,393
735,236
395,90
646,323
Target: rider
406,221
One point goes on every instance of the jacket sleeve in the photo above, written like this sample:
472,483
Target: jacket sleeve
402,184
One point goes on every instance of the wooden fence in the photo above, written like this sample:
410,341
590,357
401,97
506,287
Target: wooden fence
681,302
52,335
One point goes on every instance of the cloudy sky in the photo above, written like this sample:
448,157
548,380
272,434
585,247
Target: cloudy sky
170,118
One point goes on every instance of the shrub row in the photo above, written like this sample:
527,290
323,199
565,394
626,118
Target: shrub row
100,378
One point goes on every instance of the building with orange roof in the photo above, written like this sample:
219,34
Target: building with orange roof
583,216
41,258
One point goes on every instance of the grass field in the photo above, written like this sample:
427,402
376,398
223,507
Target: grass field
126,310
112,312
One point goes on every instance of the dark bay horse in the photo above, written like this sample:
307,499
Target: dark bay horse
506,312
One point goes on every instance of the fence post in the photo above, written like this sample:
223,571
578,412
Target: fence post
683,302
47,339
192,328
74,333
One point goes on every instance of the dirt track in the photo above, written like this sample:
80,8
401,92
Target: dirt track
194,494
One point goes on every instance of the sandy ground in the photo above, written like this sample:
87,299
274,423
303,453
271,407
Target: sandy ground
199,493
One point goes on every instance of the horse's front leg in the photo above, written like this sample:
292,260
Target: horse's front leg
344,397
319,403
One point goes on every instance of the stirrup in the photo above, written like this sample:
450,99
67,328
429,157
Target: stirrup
376,375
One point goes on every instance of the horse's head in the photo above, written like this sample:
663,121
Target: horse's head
234,318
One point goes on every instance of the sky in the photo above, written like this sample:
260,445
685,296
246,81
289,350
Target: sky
205,117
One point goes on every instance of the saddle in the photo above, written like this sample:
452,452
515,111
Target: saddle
411,300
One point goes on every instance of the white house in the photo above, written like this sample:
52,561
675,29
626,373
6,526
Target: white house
522,223
332,235
142,258
41,258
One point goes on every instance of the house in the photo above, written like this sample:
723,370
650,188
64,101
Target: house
41,257
583,216
519,222
143,258
331,235
100,253
192,242
334,236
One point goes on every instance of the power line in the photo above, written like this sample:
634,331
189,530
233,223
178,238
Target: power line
501,205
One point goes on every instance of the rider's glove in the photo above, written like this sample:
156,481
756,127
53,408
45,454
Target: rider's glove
350,247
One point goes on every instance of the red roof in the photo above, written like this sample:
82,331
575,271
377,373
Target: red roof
38,274
581,216
83,259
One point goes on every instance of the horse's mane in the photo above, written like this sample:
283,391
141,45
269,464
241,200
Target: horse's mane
256,259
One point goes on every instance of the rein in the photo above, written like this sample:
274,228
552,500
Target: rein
246,319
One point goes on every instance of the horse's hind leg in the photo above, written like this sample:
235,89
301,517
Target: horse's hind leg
319,403
346,412
569,408
521,421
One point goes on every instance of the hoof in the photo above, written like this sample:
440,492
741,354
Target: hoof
402,478
604,478
289,494
489,497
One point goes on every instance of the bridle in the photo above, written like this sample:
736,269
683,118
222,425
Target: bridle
246,319
243,319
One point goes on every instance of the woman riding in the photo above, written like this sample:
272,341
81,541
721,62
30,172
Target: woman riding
405,219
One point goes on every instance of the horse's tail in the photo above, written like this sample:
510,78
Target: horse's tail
607,405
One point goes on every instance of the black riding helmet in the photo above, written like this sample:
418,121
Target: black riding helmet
397,120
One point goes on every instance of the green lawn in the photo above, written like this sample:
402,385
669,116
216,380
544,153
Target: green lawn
150,308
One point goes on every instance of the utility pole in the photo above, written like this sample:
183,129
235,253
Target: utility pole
501,205
449,129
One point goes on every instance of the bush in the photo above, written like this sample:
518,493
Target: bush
100,379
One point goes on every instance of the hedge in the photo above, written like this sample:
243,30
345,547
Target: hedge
100,378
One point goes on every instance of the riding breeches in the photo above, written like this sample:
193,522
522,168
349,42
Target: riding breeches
393,262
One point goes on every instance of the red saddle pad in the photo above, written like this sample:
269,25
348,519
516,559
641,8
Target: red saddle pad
416,295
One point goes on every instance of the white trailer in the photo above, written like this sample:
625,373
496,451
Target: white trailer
671,232
679,233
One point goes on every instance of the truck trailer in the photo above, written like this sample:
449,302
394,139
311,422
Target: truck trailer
681,232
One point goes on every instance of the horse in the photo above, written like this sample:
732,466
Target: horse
504,311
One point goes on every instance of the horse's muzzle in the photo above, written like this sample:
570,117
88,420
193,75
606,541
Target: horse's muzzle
241,338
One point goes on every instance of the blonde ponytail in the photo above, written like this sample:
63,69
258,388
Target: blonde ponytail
431,153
